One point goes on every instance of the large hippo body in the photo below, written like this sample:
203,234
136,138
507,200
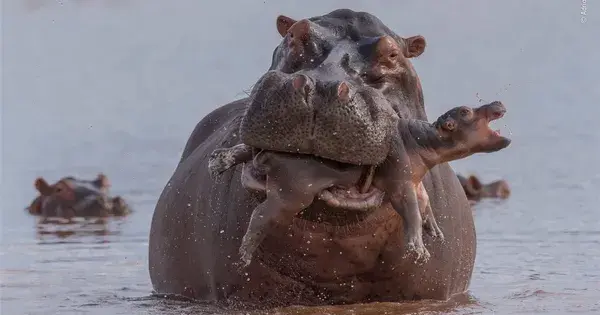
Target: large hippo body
327,255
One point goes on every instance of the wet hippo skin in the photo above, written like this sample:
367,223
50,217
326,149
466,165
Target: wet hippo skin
326,256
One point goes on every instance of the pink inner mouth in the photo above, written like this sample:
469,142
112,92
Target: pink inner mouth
492,117
351,198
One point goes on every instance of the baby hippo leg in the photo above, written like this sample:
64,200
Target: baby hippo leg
429,223
223,159
404,200
279,208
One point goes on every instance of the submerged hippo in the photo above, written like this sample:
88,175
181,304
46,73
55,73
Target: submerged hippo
419,146
71,197
326,255
476,190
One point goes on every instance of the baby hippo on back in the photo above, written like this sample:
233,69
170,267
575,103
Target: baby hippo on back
294,180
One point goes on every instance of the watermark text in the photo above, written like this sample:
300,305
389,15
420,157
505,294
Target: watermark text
583,11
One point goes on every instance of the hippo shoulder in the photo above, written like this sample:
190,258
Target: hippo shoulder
218,118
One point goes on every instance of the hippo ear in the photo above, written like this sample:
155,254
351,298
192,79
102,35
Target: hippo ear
475,182
415,46
42,186
449,124
101,181
283,24
64,190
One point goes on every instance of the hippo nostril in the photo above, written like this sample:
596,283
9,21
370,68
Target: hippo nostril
343,92
300,82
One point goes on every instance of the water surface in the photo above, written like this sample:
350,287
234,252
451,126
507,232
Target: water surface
117,86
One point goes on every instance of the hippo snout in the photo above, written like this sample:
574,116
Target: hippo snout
326,116
494,110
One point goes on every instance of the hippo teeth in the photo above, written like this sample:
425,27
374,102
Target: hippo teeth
497,132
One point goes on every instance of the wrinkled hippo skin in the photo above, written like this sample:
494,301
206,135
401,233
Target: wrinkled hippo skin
476,190
71,197
326,256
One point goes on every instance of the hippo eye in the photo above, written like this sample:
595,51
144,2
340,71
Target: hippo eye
372,79
464,112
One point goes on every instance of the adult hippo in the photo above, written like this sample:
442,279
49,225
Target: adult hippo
71,197
327,255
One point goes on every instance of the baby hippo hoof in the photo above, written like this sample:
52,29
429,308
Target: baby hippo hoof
245,260
418,251
433,231
219,161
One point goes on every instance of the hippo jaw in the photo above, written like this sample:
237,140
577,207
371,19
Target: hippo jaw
335,120
353,198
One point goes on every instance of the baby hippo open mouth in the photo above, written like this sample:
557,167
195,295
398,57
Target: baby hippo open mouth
292,181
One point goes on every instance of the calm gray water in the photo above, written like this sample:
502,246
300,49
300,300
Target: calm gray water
117,86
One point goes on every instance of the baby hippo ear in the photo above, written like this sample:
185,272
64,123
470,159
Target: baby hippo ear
449,124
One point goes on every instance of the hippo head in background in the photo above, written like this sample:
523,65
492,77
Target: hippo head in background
334,92
476,190
70,197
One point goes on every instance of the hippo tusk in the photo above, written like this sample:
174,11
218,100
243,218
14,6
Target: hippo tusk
368,180
374,200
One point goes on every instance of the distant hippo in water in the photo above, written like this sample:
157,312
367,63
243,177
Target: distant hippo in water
70,197
476,190
326,255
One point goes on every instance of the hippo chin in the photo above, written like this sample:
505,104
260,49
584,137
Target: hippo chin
325,255
71,197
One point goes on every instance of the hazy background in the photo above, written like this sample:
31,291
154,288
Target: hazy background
117,87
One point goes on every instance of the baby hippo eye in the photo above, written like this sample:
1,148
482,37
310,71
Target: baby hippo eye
465,112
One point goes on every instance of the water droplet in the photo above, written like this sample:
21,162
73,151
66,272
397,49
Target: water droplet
222,231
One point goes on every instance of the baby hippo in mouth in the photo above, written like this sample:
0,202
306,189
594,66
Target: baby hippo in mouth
292,181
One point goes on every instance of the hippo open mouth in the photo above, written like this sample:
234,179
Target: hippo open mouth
352,198
493,115
488,114
359,197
